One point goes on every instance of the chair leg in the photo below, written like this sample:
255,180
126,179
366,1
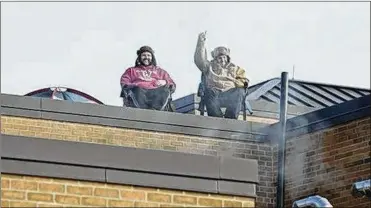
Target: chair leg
169,107
248,107
244,111
168,101
202,108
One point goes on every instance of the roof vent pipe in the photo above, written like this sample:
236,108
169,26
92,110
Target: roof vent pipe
362,189
312,201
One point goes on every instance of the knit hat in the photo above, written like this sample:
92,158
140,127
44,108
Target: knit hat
142,50
221,50
145,49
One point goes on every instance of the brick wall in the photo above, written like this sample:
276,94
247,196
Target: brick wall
150,140
328,162
24,191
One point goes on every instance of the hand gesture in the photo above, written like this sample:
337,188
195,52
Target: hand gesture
160,82
202,36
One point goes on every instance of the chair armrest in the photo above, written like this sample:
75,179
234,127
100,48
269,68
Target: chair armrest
172,89
125,90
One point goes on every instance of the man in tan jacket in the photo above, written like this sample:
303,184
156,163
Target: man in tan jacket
224,80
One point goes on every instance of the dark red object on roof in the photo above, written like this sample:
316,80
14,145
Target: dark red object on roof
64,93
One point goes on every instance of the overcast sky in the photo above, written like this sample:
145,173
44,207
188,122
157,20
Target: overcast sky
87,46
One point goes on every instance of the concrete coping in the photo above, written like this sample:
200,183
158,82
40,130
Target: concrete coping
41,108
32,107
126,165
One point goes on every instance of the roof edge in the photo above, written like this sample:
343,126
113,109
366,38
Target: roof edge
132,118
262,82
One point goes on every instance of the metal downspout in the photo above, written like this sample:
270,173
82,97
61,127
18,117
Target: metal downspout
280,200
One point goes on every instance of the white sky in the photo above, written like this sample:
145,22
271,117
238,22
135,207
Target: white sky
87,46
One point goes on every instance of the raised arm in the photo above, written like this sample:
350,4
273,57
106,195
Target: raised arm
200,56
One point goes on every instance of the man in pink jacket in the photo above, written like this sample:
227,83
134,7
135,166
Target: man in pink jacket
150,84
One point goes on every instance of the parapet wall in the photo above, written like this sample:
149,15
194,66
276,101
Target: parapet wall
43,123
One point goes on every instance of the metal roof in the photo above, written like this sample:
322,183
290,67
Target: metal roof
304,93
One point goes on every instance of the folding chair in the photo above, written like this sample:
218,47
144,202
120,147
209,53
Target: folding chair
129,100
201,93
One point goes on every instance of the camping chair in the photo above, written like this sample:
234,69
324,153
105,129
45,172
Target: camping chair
201,92
129,100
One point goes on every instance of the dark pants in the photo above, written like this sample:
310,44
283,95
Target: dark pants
231,99
151,99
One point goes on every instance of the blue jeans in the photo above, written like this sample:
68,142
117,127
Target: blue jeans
231,99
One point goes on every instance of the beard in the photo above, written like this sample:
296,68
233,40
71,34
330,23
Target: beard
222,63
146,62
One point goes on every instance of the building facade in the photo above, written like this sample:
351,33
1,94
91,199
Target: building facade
58,153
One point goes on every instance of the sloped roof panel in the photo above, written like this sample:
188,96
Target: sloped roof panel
304,93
